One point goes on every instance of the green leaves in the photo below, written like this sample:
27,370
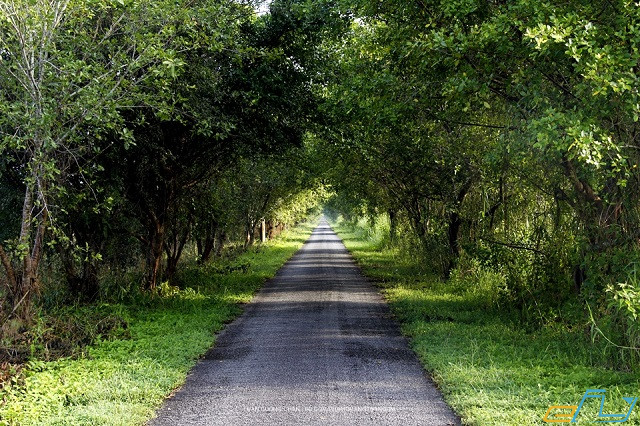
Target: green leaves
493,121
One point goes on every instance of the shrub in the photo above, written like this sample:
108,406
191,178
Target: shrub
485,285
623,301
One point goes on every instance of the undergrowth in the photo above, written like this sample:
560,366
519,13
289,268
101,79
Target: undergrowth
492,368
124,375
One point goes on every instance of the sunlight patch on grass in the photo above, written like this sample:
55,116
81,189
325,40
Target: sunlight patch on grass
122,382
490,369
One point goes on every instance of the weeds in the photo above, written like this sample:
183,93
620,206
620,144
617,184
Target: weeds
491,367
123,375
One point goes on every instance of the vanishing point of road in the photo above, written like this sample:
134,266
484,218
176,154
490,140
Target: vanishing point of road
316,346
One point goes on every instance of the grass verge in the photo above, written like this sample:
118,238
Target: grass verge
123,381
490,369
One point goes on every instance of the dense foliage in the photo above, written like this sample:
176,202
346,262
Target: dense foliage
501,137
491,368
496,139
133,132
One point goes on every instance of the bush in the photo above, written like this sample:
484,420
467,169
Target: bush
484,285
61,333
623,304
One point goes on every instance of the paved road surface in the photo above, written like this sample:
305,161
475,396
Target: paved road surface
317,346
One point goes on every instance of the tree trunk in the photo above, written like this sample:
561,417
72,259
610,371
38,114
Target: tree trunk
83,285
207,244
250,230
252,236
222,239
579,277
206,250
23,281
172,267
175,249
453,233
154,254
200,249
393,225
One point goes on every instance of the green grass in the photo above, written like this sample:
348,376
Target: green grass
490,369
122,382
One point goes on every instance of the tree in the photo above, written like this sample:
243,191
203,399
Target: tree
494,127
244,94
72,70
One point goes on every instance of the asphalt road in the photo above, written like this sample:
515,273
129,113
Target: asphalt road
316,346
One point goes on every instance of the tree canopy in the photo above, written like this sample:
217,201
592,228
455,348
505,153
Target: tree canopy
497,134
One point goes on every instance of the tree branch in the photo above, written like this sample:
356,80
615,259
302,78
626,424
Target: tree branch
513,246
